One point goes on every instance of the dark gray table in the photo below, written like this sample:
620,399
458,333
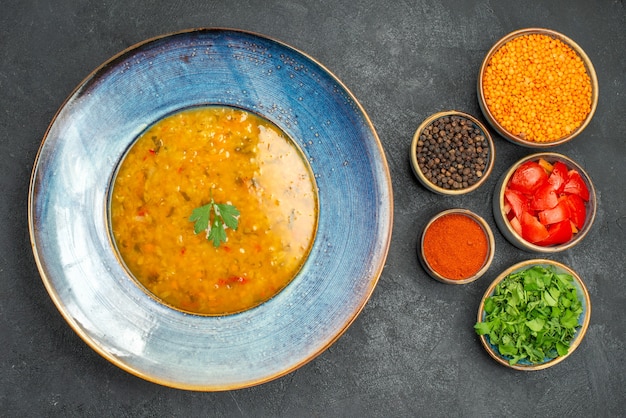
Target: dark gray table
412,351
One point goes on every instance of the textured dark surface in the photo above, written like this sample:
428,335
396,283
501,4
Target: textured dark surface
412,351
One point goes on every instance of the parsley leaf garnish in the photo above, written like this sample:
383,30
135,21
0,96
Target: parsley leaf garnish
224,216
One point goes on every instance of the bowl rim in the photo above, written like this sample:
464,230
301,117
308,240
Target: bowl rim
490,243
415,164
591,204
576,340
588,66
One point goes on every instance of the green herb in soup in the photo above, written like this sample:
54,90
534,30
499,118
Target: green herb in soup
223,215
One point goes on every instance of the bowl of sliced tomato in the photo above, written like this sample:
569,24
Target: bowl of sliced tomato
545,203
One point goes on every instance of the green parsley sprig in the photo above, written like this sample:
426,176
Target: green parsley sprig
223,216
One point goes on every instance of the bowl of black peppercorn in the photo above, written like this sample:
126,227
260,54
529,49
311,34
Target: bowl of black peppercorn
452,153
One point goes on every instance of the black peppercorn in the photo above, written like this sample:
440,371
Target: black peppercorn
453,153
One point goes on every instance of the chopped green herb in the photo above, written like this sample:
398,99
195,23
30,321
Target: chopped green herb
224,216
532,315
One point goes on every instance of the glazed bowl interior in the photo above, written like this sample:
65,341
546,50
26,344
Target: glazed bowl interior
497,125
514,237
417,168
583,319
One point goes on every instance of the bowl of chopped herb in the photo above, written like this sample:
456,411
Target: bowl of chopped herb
537,88
534,315
452,153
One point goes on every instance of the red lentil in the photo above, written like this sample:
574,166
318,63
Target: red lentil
537,88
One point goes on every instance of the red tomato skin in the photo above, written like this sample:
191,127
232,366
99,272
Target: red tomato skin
544,198
558,177
517,226
528,177
577,210
558,233
517,200
532,230
576,185
546,206
556,214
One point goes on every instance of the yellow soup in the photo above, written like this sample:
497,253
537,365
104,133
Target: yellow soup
233,157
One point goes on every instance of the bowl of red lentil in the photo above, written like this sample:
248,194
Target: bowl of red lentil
545,203
452,153
537,88
456,246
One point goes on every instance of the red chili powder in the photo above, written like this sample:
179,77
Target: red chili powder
455,246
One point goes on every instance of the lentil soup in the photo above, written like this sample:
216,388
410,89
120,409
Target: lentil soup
233,157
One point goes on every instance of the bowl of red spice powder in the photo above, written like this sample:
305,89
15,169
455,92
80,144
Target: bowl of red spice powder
456,246
537,88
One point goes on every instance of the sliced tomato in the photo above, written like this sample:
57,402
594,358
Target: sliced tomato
533,230
528,177
576,185
545,165
517,200
556,214
559,233
507,210
558,177
517,226
544,198
545,203
577,210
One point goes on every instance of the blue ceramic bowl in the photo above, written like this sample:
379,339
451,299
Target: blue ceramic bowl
73,172
583,319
